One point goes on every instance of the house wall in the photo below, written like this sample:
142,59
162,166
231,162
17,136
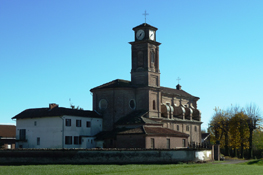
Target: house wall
53,130
48,129
161,142
87,133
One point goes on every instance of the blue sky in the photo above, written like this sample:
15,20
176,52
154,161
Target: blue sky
53,51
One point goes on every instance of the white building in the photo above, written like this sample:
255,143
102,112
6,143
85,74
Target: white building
57,127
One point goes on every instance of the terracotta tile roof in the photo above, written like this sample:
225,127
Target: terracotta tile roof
176,92
163,131
57,111
7,131
115,84
135,118
138,130
158,131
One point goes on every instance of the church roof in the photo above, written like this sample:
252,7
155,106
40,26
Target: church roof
119,83
160,131
176,92
57,111
114,84
135,118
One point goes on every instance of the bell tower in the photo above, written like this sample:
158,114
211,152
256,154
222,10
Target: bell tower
145,57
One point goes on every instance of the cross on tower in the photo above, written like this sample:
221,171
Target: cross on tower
178,79
145,15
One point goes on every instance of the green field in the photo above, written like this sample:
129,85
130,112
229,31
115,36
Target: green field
252,167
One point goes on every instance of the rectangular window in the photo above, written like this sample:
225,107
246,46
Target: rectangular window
184,143
168,143
78,123
88,124
68,122
178,128
187,128
195,129
22,134
77,140
68,140
152,143
35,123
38,140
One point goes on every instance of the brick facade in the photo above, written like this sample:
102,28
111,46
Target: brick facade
174,109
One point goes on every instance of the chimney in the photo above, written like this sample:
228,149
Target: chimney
52,105
178,87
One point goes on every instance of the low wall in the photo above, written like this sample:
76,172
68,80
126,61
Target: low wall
79,156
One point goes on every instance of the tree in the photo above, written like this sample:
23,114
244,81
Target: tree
254,117
219,128
239,132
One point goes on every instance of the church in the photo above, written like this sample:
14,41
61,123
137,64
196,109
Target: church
140,113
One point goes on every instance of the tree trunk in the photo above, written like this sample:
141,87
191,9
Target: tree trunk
226,145
242,150
250,155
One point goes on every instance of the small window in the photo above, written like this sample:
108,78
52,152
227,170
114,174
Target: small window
184,143
154,105
77,140
68,122
68,140
35,123
178,128
132,104
168,143
187,128
152,143
38,140
88,124
78,123
195,129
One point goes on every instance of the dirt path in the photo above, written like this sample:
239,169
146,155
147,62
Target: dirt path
234,161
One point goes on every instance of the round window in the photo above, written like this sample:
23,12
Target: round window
103,104
132,104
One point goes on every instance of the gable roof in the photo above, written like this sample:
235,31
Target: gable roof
57,111
115,84
7,131
158,131
176,92
135,118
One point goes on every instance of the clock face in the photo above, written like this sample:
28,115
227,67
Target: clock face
151,35
140,34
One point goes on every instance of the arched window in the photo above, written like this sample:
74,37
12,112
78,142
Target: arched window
154,105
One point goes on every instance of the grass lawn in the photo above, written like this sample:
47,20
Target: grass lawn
253,167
